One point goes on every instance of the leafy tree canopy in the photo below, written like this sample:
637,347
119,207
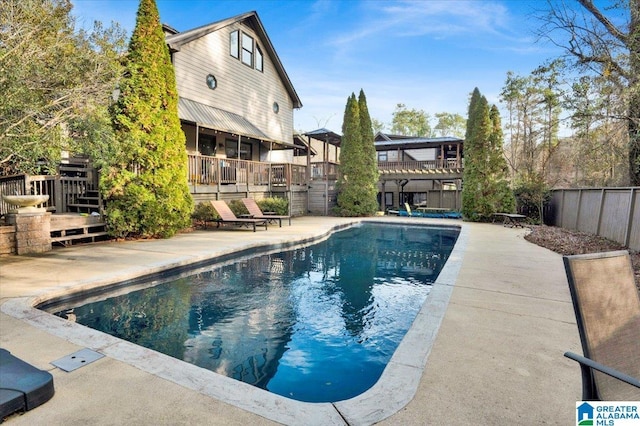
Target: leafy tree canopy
55,84
413,122
410,122
450,124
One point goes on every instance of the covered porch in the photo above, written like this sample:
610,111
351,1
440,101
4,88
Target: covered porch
229,157
210,174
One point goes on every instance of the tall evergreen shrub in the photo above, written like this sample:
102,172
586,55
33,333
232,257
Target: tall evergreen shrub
146,187
370,166
485,186
357,185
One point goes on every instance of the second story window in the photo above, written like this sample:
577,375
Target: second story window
247,50
233,44
259,59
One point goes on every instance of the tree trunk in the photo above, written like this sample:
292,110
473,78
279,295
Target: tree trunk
634,100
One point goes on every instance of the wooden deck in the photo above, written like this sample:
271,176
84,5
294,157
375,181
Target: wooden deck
67,229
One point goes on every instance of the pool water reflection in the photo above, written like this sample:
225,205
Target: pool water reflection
317,323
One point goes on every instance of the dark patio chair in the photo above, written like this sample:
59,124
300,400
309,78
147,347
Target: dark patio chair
607,307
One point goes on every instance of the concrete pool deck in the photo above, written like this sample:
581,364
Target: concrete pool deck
496,359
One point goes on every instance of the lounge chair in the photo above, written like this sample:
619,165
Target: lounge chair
255,212
407,209
607,307
227,216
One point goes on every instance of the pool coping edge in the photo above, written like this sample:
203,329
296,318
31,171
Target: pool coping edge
394,389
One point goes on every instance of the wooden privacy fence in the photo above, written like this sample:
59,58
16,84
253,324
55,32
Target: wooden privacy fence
612,213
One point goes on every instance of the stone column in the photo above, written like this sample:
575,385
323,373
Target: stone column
7,240
33,231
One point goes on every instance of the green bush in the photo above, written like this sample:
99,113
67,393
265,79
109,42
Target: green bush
532,198
237,207
274,204
203,212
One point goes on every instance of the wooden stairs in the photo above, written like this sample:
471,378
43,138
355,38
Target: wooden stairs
68,229
82,221
88,203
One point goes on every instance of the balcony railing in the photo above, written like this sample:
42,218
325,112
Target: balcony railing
324,171
449,163
62,190
207,170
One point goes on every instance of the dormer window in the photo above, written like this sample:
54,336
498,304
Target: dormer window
247,50
243,47
233,45
259,59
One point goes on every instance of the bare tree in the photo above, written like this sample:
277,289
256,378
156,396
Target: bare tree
533,106
604,42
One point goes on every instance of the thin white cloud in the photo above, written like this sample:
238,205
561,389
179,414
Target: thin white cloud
447,17
320,8
409,18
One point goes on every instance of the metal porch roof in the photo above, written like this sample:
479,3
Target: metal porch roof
218,119
325,136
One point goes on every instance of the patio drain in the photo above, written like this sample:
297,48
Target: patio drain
77,359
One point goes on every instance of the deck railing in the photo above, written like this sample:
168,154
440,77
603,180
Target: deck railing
202,170
207,170
448,163
23,184
324,171
62,190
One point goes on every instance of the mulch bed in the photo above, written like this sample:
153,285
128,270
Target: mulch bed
568,242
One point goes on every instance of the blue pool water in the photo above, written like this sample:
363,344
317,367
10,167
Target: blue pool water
317,323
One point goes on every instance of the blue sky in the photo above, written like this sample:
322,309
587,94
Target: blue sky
426,54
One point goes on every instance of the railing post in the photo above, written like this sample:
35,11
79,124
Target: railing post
218,173
58,196
602,196
632,203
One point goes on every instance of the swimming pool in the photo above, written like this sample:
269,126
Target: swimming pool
317,298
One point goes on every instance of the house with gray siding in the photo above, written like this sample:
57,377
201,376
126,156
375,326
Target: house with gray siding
236,106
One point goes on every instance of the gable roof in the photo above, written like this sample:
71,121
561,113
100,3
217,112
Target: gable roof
177,40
